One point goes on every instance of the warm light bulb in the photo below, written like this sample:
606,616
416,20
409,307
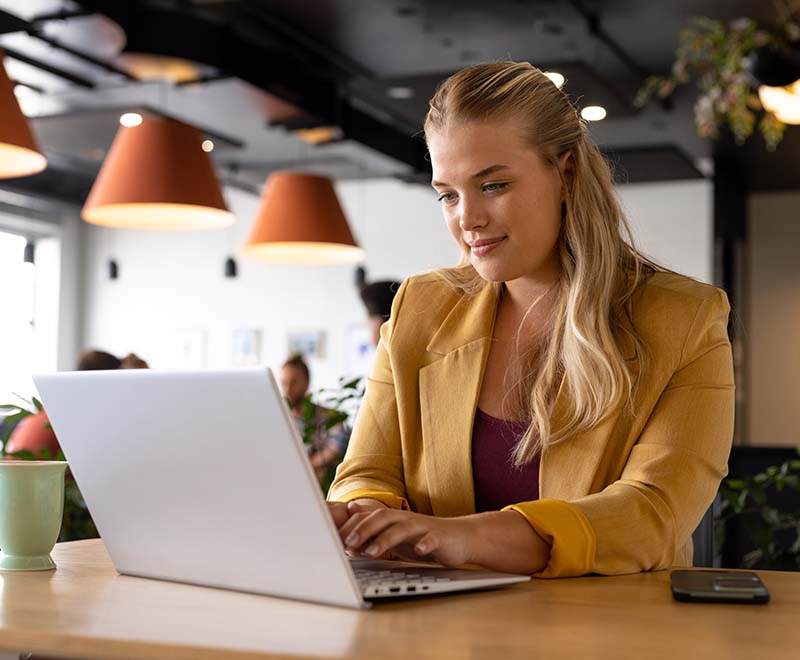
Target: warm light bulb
557,78
130,119
593,113
783,102
208,146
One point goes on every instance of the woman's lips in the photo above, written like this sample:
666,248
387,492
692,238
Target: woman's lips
484,247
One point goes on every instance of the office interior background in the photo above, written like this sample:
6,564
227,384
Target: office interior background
339,89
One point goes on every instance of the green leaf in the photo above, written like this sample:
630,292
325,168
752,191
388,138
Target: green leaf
735,484
37,404
23,455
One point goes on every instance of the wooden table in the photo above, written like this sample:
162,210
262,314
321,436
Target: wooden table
85,609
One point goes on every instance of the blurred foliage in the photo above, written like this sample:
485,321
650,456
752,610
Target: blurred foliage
775,534
717,55
340,404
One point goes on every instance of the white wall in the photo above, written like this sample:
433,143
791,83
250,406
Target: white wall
774,319
171,292
673,223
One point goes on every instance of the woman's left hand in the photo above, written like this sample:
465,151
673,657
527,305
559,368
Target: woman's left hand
498,540
447,541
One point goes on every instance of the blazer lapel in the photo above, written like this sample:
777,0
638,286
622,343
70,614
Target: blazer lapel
449,389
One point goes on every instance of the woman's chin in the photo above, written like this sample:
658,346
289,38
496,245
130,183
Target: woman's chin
491,272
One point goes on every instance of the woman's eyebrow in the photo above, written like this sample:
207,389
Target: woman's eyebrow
486,170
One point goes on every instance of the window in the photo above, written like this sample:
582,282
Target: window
16,318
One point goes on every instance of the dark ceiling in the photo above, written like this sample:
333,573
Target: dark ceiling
268,67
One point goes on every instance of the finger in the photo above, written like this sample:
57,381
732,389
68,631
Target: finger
428,543
398,537
339,513
352,522
394,535
356,506
370,525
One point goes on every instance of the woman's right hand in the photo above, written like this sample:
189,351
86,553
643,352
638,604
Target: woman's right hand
341,511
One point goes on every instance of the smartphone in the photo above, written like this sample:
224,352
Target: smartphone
718,587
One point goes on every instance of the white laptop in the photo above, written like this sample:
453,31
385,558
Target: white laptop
201,477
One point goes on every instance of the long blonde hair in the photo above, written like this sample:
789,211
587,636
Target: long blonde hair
600,267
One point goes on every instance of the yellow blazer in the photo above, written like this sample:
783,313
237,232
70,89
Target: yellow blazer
624,496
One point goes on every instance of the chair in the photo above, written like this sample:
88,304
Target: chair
703,539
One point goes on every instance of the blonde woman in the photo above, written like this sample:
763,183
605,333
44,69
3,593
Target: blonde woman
557,404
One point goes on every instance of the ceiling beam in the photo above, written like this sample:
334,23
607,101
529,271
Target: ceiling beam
230,40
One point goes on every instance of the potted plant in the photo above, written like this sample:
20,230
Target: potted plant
774,534
77,522
728,61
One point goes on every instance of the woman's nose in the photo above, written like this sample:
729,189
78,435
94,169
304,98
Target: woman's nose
472,216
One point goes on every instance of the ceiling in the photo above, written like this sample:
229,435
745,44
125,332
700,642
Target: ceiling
264,68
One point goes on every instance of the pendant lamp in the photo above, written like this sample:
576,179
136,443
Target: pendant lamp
300,221
157,176
19,153
783,102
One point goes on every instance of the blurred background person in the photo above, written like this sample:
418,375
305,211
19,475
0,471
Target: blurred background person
326,446
377,298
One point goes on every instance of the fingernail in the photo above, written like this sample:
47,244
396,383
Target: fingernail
372,550
422,547
352,539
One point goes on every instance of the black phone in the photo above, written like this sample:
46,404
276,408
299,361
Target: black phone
718,587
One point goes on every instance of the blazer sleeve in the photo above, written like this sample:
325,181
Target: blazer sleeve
671,476
373,465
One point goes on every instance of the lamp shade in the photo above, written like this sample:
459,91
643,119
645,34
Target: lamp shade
157,176
19,153
300,221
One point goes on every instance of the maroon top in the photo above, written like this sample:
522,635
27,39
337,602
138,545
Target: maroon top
497,482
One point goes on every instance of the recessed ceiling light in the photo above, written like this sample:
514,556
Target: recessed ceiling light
401,93
593,113
130,119
556,77
208,146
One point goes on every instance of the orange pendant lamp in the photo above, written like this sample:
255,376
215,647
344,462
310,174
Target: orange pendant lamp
19,153
300,221
157,176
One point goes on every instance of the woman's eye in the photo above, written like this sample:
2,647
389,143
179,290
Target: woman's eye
446,197
494,187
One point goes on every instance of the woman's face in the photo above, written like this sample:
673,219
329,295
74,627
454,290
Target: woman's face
502,203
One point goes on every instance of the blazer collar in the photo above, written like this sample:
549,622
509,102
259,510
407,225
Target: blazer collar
471,318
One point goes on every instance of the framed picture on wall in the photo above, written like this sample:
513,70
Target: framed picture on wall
245,347
309,343
359,351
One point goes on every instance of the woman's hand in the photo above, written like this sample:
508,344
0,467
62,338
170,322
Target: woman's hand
373,533
499,540
341,511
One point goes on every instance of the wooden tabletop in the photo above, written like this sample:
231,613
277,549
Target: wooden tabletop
84,609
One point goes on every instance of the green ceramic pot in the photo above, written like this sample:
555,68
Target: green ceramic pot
31,510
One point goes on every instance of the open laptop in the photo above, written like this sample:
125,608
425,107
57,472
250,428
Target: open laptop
201,477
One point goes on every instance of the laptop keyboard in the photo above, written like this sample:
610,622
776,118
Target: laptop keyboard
394,581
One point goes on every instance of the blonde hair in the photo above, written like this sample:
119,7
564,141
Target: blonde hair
600,267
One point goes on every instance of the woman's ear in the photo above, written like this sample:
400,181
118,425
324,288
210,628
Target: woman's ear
566,165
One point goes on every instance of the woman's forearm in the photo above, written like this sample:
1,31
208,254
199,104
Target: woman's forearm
504,541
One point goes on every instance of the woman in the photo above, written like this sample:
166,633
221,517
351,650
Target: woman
557,404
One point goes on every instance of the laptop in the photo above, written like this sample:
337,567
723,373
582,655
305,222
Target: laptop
201,477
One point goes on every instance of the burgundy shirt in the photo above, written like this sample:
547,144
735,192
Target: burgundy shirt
497,482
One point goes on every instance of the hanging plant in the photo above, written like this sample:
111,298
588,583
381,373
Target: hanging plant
720,58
